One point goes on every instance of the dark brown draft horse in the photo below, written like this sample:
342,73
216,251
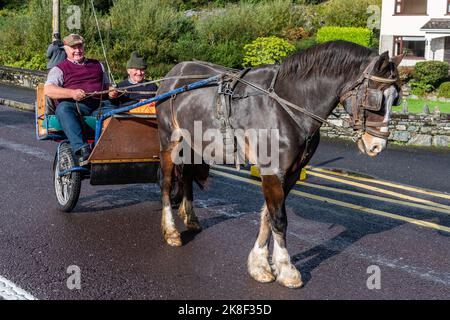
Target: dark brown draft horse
317,80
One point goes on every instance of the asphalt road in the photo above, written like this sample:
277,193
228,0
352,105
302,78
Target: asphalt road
334,236
15,93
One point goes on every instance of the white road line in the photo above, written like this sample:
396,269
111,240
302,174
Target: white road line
9,291
23,148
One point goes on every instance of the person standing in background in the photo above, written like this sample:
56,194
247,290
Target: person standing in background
55,52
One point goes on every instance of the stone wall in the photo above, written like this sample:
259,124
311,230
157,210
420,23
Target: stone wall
411,129
21,77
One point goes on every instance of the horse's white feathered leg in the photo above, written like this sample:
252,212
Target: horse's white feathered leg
170,232
258,260
285,272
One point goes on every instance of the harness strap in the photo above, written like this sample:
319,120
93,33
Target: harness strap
173,113
382,80
356,121
361,78
306,151
274,79
382,135
376,124
95,93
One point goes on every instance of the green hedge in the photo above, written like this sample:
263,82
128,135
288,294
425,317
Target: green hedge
362,36
444,90
431,72
268,50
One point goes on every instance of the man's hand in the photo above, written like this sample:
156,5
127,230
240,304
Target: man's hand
113,94
78,94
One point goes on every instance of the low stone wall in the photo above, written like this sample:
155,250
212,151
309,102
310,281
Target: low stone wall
21,77
411,129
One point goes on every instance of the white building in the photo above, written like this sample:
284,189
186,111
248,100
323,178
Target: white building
421,28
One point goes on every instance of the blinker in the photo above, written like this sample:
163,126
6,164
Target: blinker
374,100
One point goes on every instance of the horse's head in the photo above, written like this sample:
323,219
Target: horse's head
369,100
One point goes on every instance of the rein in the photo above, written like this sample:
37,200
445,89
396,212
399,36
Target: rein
123,90
350,91
286,104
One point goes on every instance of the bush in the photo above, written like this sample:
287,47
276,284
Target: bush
420,88
294,33
219,35
304,44
36,62
345,13
431,72
361,36
268,50
444,90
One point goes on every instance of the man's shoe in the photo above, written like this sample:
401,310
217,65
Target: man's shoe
84,154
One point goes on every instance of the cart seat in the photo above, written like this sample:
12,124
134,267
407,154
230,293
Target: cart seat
53,123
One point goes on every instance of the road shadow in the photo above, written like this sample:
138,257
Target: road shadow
323,163
324,251
187,236
130,195
356,227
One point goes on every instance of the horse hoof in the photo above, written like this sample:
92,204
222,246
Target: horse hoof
288,276
262,275
291,283
174,240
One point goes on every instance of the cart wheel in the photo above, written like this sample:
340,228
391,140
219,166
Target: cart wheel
176,194
67,187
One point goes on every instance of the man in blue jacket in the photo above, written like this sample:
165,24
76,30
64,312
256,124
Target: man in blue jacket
136,68
55,52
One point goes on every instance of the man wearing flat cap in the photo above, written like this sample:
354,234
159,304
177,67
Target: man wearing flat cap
68,83
136,67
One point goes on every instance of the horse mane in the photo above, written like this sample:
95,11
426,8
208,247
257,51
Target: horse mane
328,59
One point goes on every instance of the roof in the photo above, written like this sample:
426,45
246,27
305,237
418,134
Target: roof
437,24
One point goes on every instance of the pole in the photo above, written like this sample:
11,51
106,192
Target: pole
56,19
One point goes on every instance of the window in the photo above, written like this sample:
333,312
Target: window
414,47
398,6
448,6
412,7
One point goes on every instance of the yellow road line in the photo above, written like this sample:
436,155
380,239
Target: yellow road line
386,183
358,194
370,196
421,223
375,189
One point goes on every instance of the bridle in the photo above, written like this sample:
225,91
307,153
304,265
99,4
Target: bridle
367,99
